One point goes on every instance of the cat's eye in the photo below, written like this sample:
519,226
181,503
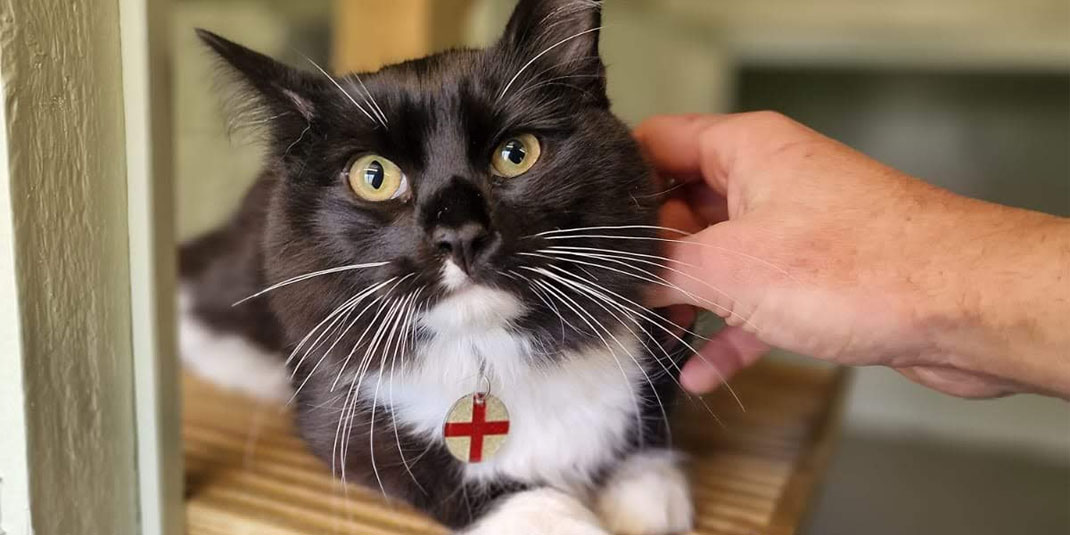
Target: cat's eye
516,156
376,179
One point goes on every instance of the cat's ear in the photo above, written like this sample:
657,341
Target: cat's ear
558,36
266,91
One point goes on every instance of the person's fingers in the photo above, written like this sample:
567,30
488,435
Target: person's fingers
728,352
722,149
714,269
710,207
675,146
677,214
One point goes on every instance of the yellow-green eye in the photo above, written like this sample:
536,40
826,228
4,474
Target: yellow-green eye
376,179
516,156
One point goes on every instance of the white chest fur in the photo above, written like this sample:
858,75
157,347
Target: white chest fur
567,416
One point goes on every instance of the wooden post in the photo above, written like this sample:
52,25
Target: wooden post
89,418
371,33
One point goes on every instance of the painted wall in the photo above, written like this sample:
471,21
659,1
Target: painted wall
63,101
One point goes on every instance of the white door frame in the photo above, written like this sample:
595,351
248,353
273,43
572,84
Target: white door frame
145,33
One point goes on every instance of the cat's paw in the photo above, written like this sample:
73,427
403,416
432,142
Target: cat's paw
648,494
539,512
230,361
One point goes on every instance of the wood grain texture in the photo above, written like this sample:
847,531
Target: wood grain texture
64,115
753,474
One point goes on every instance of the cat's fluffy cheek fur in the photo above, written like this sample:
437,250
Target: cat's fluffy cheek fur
647,494
229,360
539,512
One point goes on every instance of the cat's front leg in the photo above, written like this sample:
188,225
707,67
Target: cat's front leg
542,511
648,494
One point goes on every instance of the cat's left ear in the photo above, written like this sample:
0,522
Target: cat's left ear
558,37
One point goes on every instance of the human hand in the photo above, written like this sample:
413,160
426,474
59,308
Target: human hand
805,244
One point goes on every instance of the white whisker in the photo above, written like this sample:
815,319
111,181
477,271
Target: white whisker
372,323
579,289
682,242
624,253
621,227
556,66
302,278
541,54
375,395
651,317
370,100
355,387
340,88
617,259
648,277
567,10
644,313
549,304
348,305
340,336
298,140
340,448
333,319
572,305
531,86
401,347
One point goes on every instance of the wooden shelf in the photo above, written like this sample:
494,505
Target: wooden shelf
248,474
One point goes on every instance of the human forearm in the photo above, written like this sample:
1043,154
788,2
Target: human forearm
1009,313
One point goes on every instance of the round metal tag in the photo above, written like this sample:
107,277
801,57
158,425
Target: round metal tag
476,427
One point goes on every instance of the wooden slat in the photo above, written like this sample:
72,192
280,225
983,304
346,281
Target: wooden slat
248,474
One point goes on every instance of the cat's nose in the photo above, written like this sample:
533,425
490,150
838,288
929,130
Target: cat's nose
465,245
458,225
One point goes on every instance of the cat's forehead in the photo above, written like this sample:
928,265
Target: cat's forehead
443,76
457,95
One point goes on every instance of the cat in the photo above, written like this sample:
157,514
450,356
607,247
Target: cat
468,230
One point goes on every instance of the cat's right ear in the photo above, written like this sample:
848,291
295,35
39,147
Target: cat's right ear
267,90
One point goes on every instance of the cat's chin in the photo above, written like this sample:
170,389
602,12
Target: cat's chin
470,307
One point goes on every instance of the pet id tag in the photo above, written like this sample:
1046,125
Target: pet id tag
476,427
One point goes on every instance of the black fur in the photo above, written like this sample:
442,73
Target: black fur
446,113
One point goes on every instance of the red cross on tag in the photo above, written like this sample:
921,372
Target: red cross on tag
476,427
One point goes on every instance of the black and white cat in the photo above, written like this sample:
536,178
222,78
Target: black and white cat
474,225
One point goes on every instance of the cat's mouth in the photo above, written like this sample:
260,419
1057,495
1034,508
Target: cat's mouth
468,305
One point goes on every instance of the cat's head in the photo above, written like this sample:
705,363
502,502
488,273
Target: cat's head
477,188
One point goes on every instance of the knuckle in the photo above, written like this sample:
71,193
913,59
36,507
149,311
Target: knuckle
769,116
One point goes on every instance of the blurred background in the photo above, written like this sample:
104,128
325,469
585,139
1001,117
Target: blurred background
973,95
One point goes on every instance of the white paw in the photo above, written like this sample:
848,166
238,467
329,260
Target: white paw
230,361
539,512
648,494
